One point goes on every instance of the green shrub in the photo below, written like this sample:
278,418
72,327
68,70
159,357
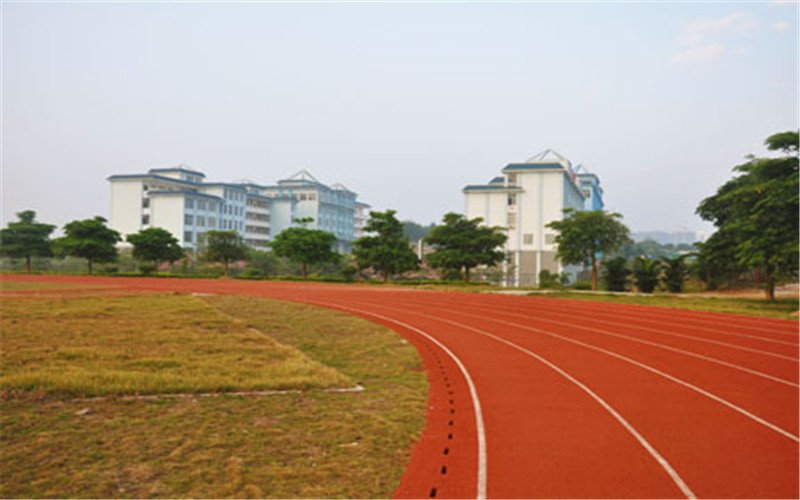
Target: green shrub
615,274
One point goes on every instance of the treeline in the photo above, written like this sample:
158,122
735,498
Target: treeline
756,215
757,239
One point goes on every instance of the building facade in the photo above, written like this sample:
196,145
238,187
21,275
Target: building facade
179,200
523,200
329,208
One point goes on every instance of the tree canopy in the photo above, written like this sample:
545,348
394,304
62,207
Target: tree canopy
306,246
584,235
756,214
26,238
155,245
225,247
461,243
89,239
415,231
646,272
388,251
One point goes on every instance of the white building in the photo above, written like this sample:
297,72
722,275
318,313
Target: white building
177,199
330,208
361,218
523,200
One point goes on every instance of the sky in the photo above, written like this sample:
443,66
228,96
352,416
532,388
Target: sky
403,103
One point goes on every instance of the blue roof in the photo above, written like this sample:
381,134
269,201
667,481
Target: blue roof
183,193
152,176
225,184
178,169
484,187
498,180
532,166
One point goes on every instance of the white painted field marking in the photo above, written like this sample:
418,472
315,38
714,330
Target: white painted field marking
714,397
649,368
642,316
654,344
481,490
673,334
660,346
679,482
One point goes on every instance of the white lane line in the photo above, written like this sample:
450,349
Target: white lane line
665,375
649,368
657,345
662,332
481,490
676,478
654,344
641,316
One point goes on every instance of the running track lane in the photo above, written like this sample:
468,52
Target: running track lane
571,412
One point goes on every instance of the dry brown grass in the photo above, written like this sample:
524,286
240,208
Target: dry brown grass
313,444
153,344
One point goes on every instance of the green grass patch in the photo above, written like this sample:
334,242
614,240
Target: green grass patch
312,444
784,308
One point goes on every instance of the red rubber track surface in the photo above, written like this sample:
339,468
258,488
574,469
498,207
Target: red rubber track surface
577,399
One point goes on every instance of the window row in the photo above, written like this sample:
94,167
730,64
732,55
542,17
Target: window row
208,205
199,221
257,216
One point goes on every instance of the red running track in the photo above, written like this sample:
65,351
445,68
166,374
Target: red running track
548,398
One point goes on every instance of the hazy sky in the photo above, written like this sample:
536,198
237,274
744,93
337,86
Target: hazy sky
403,103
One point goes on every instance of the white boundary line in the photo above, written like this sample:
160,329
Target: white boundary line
557,312
642,441
649,368
644,317
654,344
481,431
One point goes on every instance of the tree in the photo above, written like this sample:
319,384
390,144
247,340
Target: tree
306,246
388,251
462,243
225,247
26,238
415,231
584,235
89,239
674,272
615,273
155,245
756,212
646,272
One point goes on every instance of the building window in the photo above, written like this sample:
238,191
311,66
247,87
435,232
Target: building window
527,239
201,204
549,238
188,203
145,202
212,222
512,200
587,194
212,205
201,221
187,236
145,187
312,197
188,220
145,220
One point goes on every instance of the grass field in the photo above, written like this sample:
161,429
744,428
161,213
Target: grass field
785,308
59,442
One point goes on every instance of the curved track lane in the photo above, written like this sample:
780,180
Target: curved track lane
549,398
